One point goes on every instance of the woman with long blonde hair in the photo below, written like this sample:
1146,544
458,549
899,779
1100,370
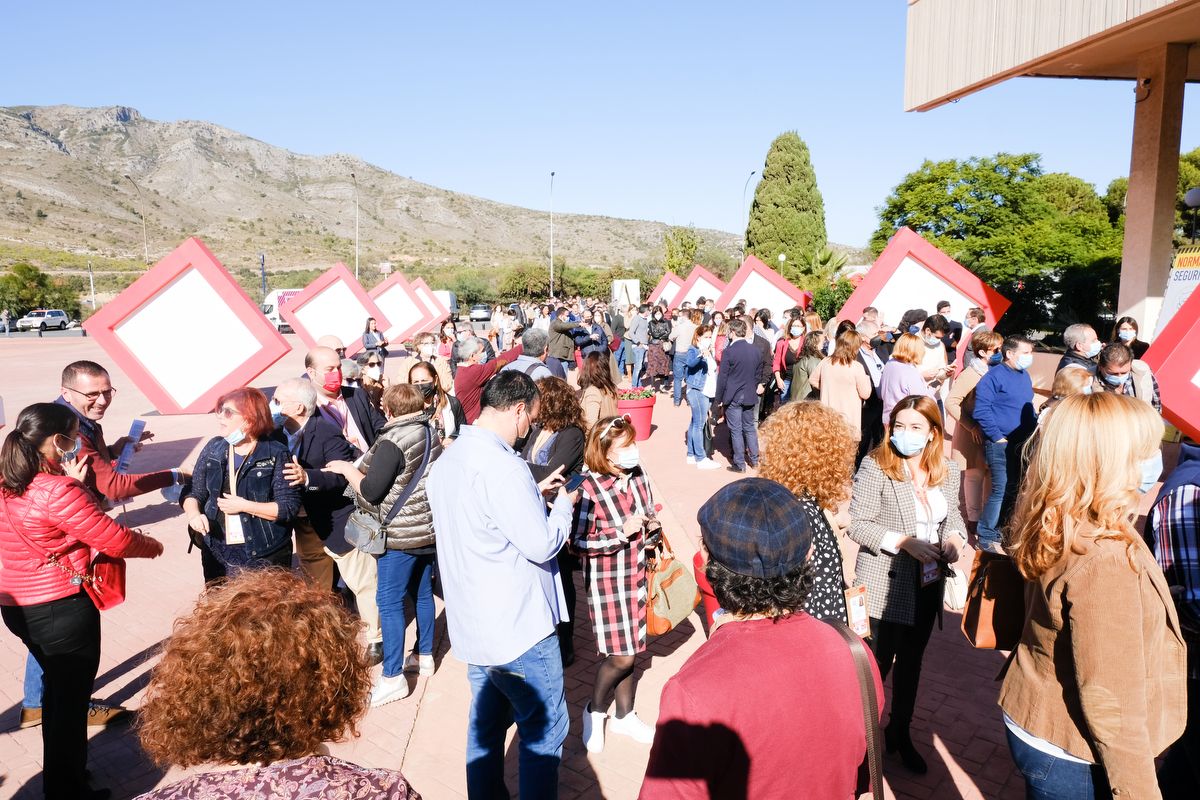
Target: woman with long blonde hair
1095,689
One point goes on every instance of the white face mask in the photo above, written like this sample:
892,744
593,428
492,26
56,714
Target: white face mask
797,330
628,457
705,343
427,350
374,373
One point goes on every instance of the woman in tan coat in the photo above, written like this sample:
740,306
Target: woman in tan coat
598,393
966,447
1095,689
843,382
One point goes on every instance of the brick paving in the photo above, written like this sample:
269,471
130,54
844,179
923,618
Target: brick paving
957,723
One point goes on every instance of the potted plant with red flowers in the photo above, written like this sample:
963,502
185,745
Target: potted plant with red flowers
638,404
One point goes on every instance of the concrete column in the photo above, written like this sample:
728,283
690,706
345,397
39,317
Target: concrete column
1153,182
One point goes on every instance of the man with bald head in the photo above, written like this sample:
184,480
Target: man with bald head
334,344
347,407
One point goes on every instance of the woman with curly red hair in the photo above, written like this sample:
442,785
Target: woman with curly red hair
239,502
264,671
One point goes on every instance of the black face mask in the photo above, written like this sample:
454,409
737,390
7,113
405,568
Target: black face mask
428,390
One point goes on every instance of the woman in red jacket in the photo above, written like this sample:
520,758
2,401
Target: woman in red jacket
49,526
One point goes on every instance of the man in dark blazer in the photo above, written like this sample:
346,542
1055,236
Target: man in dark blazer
348,408
320,529
872,410
762,408
739,384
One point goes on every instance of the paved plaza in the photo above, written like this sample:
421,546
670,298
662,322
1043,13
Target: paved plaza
957,723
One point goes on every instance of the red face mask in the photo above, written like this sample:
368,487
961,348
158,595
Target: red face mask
333,381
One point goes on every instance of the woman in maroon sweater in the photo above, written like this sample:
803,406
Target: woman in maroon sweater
49,526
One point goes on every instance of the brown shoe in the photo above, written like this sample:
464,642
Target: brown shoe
30,717
100,715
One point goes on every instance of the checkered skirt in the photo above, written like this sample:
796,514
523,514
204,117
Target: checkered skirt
615,571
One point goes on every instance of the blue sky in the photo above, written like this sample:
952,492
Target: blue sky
645,110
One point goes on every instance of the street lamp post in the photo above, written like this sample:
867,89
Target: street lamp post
353,178
552,234
142,214
262,270
92,285
742,210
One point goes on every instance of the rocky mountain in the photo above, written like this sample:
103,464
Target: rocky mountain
63,187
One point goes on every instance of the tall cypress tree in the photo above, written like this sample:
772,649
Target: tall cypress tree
788,215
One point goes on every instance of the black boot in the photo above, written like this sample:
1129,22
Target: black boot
895,738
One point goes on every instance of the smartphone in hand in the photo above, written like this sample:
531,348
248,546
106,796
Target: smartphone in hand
573,483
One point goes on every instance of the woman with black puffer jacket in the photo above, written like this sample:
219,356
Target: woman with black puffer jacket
49,526
403,453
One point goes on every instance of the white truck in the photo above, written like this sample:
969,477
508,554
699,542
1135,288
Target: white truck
449,300
270,308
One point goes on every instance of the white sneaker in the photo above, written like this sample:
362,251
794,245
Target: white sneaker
420,664
691,459
593,729
630,725
708,463
388,690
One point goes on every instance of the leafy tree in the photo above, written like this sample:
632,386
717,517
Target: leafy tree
829,299
1032,236
681,245
716,260
824,264
788,214
526,281
26,287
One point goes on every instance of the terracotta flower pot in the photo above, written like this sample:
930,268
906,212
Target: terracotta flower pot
642,414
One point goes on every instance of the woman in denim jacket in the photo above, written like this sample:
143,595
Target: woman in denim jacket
251,527
700,377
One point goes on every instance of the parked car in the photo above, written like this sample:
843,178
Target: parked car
44,319
481,312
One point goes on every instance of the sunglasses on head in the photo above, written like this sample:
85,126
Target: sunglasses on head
341,351
616,422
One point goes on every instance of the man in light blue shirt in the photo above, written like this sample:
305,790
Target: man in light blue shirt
496,554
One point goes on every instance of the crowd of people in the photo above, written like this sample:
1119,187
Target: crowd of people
491,468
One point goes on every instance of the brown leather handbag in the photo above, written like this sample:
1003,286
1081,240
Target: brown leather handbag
995,612
673,593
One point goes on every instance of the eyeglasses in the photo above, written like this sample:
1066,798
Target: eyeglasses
341,351
225,412
91,397
373,364
616,422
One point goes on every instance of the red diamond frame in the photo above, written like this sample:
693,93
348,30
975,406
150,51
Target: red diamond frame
350,334
190,256
755,266
905,244
431,301
670,279
1175,359
396,282
697,274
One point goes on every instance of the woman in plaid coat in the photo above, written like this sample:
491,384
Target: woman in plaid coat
906,519
610,522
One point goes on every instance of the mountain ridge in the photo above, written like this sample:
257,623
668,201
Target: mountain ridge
63,186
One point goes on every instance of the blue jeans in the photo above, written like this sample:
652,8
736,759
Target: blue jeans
639,361
1004,464
33,683
402,573
695,432
1050,778
743,433
529,691
622,354
678,370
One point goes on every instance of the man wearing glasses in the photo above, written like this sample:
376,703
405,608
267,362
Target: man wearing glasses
87,390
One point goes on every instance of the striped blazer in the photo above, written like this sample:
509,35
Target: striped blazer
880,505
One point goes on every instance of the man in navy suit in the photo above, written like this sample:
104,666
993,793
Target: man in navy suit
314,442
739,382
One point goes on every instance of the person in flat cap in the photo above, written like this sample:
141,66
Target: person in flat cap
772,686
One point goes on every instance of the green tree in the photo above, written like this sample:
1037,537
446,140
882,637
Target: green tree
829,299
1037,238
681,245
25,287
716,260
824,264
788,214
526,281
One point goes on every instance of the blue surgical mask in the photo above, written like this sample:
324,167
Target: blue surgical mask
236,437
909,443
1116,380
914,329
1127,336
277,416
995,359
1025,362
1152,467
73,453
1095,349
